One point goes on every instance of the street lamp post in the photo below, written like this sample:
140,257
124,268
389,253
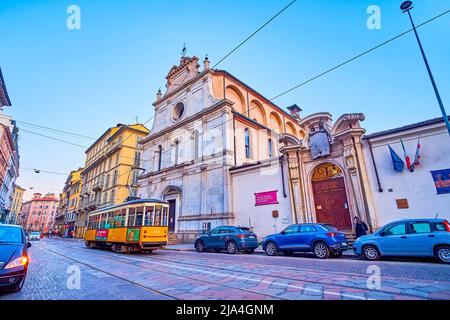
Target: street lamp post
406,7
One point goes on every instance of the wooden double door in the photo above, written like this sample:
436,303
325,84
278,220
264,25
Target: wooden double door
330,201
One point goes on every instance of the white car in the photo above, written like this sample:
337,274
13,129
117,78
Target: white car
35,235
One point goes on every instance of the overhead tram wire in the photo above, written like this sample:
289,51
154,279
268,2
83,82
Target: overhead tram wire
358,56
220,61
53,138
45,171
56,130
323,73
254,33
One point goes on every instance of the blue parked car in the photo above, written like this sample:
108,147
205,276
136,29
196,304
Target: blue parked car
232,239
408,238
323,240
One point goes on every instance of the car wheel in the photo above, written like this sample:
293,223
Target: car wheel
271,249
249,251
442,253
336,254
287,253
321,250
231,247
371,253
200,246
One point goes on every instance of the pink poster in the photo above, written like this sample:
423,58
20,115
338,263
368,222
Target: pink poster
265,198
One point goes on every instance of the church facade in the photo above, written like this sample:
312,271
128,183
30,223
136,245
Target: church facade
221,153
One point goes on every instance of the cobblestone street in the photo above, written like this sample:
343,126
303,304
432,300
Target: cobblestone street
189,275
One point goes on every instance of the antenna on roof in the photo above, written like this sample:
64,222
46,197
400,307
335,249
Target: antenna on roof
437,213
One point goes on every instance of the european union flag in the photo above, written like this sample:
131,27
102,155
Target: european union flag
396,160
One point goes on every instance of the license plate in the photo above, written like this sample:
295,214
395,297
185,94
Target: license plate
344,243
252,237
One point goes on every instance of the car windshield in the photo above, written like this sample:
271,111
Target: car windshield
329,227
10,235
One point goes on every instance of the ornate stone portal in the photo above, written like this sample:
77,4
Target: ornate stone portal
332,186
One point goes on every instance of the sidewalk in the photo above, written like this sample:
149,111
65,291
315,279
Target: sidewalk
190,247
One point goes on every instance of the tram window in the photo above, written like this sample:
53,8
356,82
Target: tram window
123,214
139,214
102,221
164,219
119,218
148,221
158,216
131,217
109,220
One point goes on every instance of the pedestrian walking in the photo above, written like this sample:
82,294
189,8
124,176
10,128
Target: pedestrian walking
360,227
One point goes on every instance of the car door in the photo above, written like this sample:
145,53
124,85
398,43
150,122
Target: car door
287,239
223,236
422,238
212,240
394,240
305,237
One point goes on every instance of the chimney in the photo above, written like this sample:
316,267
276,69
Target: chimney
295,111
158,94
206,63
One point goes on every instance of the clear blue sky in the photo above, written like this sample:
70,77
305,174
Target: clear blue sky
109,71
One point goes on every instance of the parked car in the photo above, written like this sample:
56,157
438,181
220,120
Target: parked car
35,235
230,238
13,257
408,238
323,240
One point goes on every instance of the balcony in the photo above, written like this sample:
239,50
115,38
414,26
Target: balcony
98,185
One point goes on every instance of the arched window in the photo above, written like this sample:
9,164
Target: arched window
177,150
160,151
247,143
270,146
113,197
195,145
114,179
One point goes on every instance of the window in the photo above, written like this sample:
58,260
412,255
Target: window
148,221
420,227
139,216
291,229
114,179
196,146
158,216
216,230
131,217
398,229
177,150
105,197
160,150
137,159
113,197
165,216
270,145
247,143
178,111
307,228
440,226
117,158
107,181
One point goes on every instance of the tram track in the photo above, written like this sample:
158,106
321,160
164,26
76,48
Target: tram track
296,269
109,273
190,267
110,257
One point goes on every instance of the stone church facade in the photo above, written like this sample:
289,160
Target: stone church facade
221,153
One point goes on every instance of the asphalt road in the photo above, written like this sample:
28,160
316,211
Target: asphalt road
66,269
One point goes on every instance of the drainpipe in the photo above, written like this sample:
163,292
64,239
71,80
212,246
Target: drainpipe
380,189
234,139
363,189
282,174
291,188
